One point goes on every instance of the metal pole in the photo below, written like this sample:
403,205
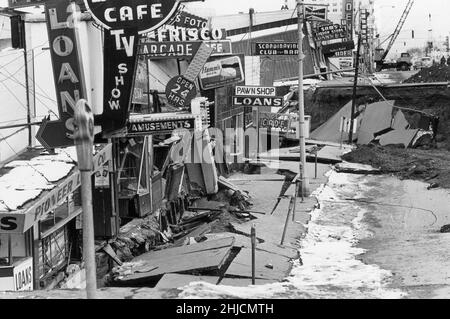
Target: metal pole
287,221
84,138
253,235
355,85
27,85
301,104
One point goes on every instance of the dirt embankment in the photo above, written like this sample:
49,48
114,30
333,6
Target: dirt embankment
434,100
431,166
436,73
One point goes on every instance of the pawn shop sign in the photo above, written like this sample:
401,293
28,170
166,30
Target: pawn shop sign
145,15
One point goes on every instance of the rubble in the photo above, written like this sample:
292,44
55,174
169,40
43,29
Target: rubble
436,73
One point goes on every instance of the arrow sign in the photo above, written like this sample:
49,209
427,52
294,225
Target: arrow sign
181,90
51,134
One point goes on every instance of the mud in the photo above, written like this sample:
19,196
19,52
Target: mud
430,166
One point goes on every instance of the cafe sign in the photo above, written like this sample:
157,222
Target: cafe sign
144,15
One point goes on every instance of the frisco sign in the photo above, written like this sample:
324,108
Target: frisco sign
144,15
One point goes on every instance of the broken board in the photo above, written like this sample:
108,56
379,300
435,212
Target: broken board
242,265
242,241
244,282
207,256
174,281
404,137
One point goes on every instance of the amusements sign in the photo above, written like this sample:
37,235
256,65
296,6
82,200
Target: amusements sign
67,74
159,127
221,72
330,32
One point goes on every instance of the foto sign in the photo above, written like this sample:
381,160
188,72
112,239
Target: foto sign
276,48
276,101
179,50
184,19
143,15
221,72
158,127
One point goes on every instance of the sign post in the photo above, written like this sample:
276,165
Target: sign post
303,181
84,139
181,90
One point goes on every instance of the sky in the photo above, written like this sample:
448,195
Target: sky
388,13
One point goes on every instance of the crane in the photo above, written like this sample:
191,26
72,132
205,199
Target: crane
405,61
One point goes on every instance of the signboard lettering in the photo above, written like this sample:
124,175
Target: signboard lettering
23,276
331,32
119,66
183,34
331,49
270,120
348,17
258,101
67,73
159,127
255,91
221,72
184,19
164,50
8,223
276,48
142,15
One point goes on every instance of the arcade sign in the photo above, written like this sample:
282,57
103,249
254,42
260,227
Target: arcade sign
180,50
143,15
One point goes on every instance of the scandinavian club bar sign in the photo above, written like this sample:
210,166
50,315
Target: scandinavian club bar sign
275,48
145,15
159,127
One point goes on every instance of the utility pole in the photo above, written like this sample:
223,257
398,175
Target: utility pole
301,105
355,85
84,141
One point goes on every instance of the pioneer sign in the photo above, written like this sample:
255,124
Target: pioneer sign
144,15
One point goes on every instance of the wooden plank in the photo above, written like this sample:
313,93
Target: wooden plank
173,281
185,250
242,241
244,282
241,265
196,261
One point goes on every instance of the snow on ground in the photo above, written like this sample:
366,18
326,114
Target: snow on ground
329,266
28,179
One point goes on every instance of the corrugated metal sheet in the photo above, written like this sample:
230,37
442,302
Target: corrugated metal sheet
278,67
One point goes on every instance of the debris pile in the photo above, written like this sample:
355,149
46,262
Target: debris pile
436,73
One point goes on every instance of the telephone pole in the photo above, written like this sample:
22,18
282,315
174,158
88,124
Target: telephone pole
301,105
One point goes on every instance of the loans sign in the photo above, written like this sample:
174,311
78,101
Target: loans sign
276,101
143,15
67,72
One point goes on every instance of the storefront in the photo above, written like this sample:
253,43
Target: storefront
45,236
